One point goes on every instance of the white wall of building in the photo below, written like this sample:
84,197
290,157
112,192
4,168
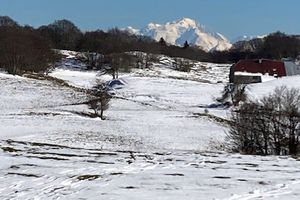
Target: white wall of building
291,68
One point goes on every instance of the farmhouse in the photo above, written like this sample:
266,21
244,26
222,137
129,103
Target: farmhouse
252,70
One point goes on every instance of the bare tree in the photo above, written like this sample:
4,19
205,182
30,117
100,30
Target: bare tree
99,101
268,126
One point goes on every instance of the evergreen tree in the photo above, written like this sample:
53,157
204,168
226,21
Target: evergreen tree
162,41
186,45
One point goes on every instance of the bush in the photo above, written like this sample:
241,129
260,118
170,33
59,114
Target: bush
233,94
182,65
268,126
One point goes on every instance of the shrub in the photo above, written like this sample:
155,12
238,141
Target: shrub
233,94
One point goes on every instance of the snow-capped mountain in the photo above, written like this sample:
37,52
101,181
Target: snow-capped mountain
247,38
177,32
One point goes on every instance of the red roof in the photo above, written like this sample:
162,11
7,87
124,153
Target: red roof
262,66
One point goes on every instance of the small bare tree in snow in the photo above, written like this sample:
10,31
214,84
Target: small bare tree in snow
99,101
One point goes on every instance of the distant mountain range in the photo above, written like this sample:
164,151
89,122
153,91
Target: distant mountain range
249,45
175,33
7,21
247,38
186,29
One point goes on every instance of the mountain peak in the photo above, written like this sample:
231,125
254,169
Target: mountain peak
187,22
7,21
185,29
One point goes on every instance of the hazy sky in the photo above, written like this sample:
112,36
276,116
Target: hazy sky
233,18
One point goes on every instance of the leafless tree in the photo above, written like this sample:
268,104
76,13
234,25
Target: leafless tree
268,126
100,99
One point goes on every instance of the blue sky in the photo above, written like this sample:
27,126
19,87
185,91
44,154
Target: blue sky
233,18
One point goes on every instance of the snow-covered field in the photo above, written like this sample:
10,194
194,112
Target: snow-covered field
153,145
200,71
259,90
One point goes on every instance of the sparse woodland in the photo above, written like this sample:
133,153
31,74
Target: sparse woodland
269,126
22,49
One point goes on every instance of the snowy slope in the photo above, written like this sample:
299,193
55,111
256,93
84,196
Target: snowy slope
65,156
200,71
151,145
258,90
177,32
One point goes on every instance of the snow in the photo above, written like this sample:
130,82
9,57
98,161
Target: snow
186,29
259,90
132,30
87,78
200,71
153,143
93,173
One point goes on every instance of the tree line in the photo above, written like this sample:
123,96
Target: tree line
276,45
24,48
65,35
